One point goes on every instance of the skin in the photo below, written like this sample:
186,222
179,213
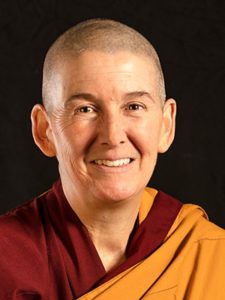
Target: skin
106,106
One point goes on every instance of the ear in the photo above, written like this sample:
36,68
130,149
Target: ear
168,125
41,130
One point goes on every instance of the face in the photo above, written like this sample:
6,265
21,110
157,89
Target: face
107,124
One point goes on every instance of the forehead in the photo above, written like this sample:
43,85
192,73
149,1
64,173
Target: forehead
92,62
99,72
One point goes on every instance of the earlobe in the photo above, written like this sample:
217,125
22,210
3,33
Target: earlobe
168,125
41,130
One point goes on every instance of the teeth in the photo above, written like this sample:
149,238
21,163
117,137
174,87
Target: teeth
113,163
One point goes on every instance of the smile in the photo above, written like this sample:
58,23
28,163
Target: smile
113,163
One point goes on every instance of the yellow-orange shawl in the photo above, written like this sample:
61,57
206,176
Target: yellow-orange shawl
190,264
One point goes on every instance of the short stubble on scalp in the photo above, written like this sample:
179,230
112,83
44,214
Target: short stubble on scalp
102,35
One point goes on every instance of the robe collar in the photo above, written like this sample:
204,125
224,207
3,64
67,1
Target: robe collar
84,268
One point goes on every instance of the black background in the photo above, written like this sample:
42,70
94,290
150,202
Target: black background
190,39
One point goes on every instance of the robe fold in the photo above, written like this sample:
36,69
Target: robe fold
173,252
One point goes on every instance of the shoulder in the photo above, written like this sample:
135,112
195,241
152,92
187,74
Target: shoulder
201,240
206,230
23,220
192,226
23,246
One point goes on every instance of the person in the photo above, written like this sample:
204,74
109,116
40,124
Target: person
99,232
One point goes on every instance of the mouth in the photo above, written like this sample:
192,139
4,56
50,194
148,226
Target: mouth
113,163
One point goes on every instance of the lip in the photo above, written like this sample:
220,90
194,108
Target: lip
112,158
118,169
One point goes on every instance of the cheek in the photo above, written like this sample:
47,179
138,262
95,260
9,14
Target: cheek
74,142
145,135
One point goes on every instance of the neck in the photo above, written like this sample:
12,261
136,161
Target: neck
108,223
110,232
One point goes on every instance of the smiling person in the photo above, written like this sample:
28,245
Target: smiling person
99,233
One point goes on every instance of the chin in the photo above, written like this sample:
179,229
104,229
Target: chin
116,193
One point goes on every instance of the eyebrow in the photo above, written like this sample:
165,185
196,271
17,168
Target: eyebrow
86,96
91,97
138,94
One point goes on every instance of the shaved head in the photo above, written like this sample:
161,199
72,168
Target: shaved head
102,35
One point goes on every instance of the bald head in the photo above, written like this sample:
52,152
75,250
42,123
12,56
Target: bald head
102,35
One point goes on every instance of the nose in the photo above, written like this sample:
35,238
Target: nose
112,131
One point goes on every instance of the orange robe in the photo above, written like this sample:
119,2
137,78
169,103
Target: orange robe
190,264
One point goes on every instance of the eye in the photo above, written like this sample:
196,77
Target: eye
85,109
135,106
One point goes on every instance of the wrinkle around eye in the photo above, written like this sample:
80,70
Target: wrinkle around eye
62,119
64,124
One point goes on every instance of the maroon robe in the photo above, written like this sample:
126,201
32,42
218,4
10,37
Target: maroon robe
46,252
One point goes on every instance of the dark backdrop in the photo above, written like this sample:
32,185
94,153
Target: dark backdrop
190,38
